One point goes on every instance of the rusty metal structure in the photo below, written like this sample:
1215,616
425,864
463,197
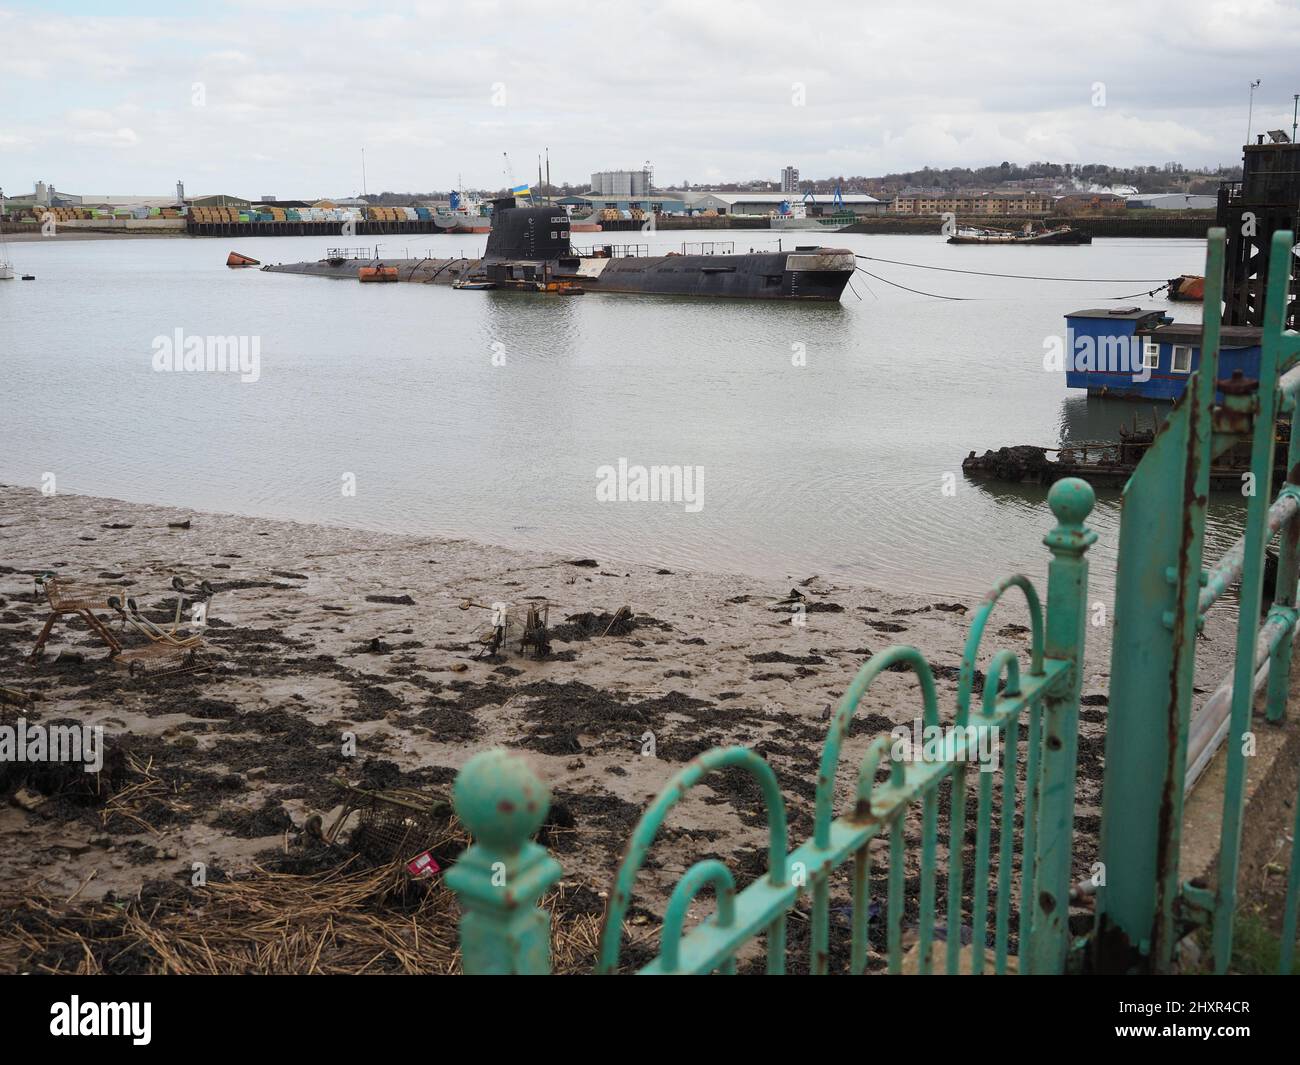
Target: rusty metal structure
1264,202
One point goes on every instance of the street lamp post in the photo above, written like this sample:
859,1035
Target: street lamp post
1250,114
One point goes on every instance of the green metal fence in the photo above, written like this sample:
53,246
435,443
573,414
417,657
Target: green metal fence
1154,750
501,877
1029,709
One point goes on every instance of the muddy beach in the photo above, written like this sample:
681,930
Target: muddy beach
345,655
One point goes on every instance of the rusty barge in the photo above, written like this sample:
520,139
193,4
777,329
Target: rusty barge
1108,464
529,250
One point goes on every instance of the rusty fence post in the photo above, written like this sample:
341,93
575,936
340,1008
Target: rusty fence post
1071,501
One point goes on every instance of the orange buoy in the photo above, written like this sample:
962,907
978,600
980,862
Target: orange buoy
235,259
377,273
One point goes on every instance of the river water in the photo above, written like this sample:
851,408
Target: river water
824,431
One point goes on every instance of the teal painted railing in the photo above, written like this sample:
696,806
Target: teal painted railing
502,876
1154,750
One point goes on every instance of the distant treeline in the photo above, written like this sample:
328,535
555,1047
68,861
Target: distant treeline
1167,177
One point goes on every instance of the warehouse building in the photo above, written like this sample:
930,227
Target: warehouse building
974,203
769,203
1172,201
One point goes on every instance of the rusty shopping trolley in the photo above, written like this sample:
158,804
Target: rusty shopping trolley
173,647
74,599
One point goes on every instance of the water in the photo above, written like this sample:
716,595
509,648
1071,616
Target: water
836,467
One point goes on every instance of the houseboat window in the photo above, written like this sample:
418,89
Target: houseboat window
1182,359
1150,354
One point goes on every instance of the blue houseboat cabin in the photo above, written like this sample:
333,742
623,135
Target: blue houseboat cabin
1138,354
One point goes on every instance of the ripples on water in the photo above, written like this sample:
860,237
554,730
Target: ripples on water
836,467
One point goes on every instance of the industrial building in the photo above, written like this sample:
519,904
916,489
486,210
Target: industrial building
624,183
1172,201
582,205
767,203
974,203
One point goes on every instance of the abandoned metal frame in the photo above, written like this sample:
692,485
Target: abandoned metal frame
1141,909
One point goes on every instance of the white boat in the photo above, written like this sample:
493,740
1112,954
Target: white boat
796,216
463,215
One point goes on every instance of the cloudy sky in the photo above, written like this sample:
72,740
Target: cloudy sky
279,97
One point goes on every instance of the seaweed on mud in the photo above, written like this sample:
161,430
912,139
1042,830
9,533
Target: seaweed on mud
241,638
447,721
558,713
574,817
585,626
239,585
781,656
270,819
373,702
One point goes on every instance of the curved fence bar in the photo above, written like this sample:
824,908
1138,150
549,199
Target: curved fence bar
723,942
966,681
708,873
843,716
823,810
1003,664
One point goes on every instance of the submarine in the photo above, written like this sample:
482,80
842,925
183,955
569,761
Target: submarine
528,249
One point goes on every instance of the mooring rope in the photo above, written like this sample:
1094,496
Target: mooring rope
1135,295
935,295
1018,277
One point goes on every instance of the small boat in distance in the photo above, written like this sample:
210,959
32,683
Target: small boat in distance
463,214
1029,233
234,259
795,216
6,264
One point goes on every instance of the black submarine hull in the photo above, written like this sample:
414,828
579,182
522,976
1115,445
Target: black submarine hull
528,249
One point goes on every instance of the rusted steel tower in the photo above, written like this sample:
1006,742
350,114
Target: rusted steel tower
1266,200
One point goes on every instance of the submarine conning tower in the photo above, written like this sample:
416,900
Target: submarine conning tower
527,232
1265,200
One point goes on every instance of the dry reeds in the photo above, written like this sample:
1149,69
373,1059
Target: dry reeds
373,921
146,795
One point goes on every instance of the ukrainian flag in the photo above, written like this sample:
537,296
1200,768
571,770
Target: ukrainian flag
522,190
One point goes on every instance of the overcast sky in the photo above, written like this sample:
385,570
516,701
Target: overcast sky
278,97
